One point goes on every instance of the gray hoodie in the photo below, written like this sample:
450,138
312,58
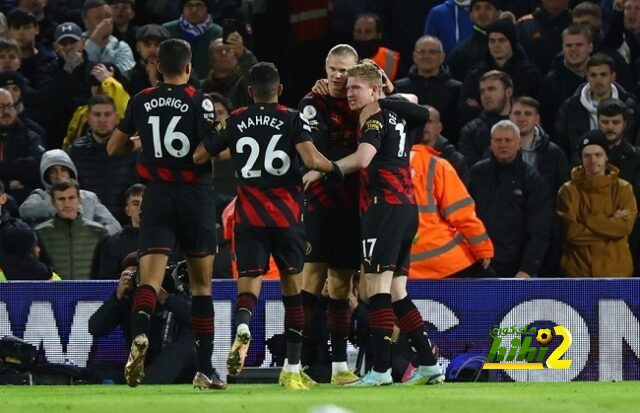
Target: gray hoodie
38,208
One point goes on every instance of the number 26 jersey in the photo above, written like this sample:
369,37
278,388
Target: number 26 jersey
262,139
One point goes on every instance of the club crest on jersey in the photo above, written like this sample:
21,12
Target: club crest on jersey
373,125
309,112
207,105
222,125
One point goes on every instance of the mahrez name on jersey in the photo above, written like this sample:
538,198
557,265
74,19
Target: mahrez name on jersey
166,102
260,120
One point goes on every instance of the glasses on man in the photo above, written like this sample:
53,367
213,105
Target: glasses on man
4,108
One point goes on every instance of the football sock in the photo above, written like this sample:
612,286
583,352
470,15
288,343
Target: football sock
245,306
381,322
412,326
339,325
202,325
293,326
144,304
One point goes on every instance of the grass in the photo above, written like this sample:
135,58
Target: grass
451,398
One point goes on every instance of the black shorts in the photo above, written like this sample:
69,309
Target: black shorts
178,214
333,237
387,234
254,245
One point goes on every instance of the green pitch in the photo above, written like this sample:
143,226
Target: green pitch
450,398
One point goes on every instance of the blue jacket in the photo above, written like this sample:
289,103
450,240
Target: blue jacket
450,23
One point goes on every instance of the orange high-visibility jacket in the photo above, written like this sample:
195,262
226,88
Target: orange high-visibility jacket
310,19
388,61
228,223
450,235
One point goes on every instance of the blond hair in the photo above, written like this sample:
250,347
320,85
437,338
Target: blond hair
368,72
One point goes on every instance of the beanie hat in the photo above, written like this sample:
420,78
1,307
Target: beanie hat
506,28
594,137
18,241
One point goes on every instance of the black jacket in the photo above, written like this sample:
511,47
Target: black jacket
441,91
109,177
573,121
541,36
514,204
451,154
556,87
552,163
627,158
465,56
112,251
476,135
20,152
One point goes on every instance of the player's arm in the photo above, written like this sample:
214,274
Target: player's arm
213,138
360,159
120,143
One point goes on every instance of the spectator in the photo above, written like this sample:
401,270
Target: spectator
123,12
624,28
196,26
561,82
101,46
540,32
20,151
145,73
102,81
23,28
56,166
70,78
598,211
68,240
230,65
450,23
367,40
20,262
513,202
496,89
578,114
504,54
46,24
589,14
549,161
16,84
109,177
6,220
430,81
114,249
171,353
464,56
225,178
9,55
450,238
431,136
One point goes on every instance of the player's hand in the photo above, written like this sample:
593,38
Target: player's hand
522,274
237,44
137,143
311,177
387,84
335,176
101,33
485,262
321,87
622,213
101,72
162,295
125,284
368,111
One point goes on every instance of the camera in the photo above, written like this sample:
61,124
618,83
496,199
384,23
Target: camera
176,278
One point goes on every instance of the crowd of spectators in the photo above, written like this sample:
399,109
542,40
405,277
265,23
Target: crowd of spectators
521,95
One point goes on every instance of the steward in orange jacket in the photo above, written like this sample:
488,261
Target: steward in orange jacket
450,235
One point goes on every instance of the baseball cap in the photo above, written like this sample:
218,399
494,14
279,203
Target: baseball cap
152,32
68,29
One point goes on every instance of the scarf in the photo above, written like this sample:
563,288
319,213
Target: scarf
191,31
591,106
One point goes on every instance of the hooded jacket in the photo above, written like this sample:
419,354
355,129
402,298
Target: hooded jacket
450,23
596,243
38,207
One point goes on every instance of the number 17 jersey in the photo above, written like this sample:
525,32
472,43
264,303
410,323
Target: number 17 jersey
262,139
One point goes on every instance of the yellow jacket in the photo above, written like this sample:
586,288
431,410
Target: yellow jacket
450,235
596,243
77,126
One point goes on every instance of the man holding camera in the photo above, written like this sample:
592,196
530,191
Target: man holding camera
171,355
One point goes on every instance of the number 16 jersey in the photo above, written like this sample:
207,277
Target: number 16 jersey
262,139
